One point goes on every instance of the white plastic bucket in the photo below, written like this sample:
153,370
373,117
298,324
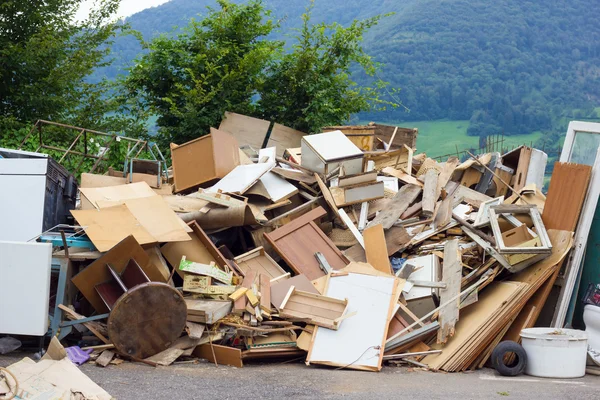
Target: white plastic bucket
555,353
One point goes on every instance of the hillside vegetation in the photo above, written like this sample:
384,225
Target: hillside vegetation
512,66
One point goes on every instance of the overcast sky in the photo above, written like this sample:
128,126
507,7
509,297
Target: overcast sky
127,7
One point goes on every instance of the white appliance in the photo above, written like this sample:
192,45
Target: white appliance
24,287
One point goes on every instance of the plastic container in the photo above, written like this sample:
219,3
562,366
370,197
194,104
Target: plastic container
555,353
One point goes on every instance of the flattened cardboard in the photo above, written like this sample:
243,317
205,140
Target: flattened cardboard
118,257
108,226
114,195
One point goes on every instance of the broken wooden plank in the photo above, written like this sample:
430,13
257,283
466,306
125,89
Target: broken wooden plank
105,358
348,222
451,275
429,193
400,202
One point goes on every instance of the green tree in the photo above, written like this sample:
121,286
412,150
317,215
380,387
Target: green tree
214,66
46,55
310,86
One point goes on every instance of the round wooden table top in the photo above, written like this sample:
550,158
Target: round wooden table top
147,319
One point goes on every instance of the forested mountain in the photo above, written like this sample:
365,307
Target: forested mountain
512,66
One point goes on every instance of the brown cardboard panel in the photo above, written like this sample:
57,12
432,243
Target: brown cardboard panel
108,226
96,181
159,220
117,257
114,195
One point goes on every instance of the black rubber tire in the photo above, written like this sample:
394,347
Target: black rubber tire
508,346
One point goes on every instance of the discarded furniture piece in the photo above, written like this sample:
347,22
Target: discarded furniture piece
119,283
147,319
319,310
260,262
280,289
529,165
241,178
199,249
149,171
118,257
359,339
297,241
362,136
357,193
422,299
396,136
24,287
325,152
37,194
545,245
203,160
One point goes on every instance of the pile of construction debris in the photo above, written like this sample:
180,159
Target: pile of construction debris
344,248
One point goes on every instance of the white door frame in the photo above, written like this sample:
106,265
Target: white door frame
575,260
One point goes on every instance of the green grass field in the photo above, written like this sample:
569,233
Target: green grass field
441,137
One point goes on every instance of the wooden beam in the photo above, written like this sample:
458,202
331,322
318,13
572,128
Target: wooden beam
452,275
429,192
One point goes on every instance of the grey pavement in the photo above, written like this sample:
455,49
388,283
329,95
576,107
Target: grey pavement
298,381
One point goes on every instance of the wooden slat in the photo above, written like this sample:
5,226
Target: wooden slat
405,196
451,275
429,192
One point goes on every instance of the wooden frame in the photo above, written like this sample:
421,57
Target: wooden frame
259,261
323,311
298,241
546,245
483,214
573,264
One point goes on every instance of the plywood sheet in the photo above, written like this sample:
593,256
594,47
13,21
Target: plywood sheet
357,342
376,249
283,138
247,130
108,226
568,187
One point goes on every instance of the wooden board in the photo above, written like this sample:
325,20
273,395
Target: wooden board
376,249
96,181
206,311
356,344
568,187
273,187
401,175
283,138
298,241
451,275
118,257
221,355
429,192
247,130
199,249
396,239
260,262
241,178
400,202
318,309
147,319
